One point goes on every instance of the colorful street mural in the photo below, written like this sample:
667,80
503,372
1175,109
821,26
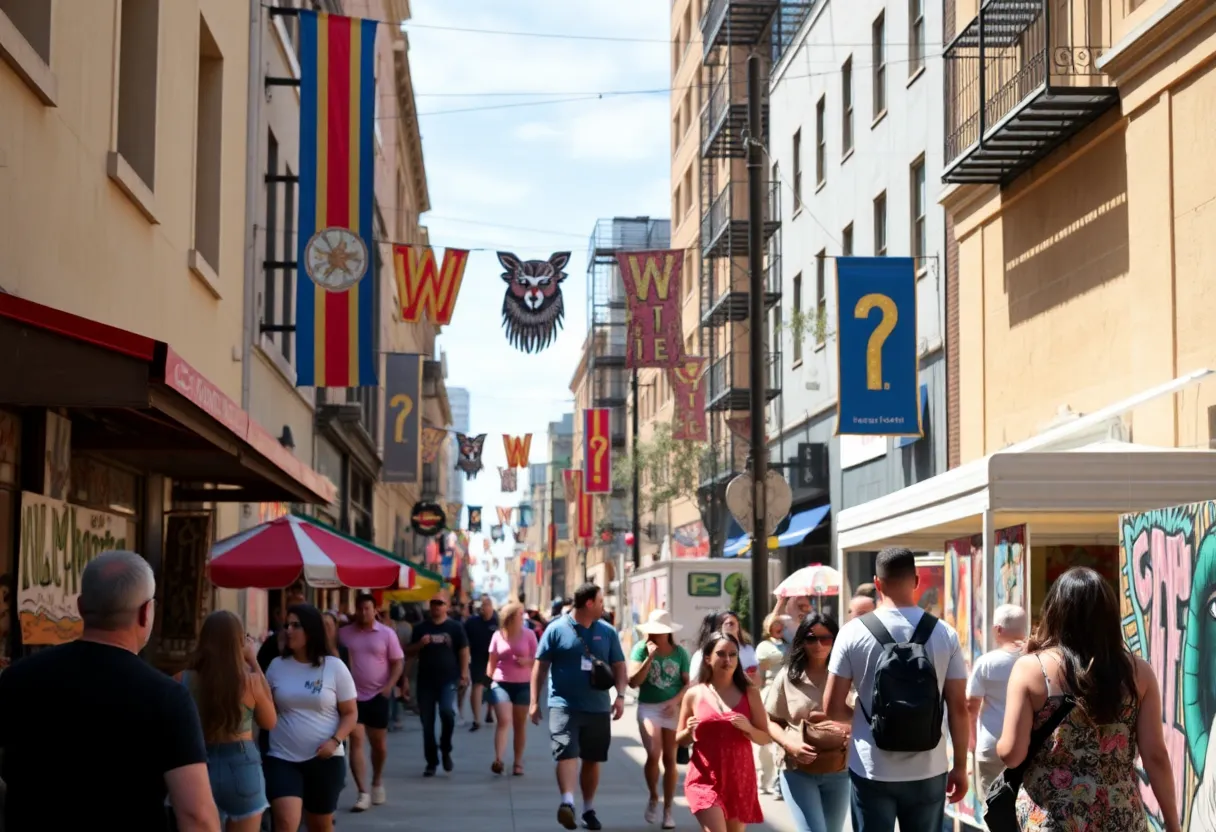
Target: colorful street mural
690,541
646,594
964,611
1167,574
1009,563
930,587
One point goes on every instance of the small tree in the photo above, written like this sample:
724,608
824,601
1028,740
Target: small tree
669,468
741,604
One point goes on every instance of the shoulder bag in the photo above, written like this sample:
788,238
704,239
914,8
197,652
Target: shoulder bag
602,677
1000,804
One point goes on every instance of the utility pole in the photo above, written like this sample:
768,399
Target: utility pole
756,345
637,485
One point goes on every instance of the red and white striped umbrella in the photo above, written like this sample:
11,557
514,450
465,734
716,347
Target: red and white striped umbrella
276,554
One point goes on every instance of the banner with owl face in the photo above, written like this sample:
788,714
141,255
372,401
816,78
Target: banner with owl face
474,519
510,480
432,440
533,309
468,458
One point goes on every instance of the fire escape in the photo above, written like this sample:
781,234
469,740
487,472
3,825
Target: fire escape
731,30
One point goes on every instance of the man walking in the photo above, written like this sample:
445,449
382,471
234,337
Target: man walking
864,600
132,728
904,663
479,629
987,685
442,652
580,727
376,663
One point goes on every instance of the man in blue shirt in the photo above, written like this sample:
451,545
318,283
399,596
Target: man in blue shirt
580,727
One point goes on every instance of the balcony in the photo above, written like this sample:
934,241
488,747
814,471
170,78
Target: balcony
736,22
733,302
610,388
730,385
724,118
1021,79
616,427
722,461
724,224
609,345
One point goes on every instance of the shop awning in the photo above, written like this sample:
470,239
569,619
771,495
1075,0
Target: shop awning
137,401
801,524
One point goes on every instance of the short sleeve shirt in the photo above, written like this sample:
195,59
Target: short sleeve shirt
372,653
990,681
438,664
665,678
855,657
507,651
569,683
306,697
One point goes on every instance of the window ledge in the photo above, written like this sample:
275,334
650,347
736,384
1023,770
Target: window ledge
823,183
796,364
27,63
878,118
128,181
923,271
201,269
848,154
821,346
915,75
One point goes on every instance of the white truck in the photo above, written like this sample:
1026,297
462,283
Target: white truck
690,588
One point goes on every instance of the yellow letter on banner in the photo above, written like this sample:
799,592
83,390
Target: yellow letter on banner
643,277
890,315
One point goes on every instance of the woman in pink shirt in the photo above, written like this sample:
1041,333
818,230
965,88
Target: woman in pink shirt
512,651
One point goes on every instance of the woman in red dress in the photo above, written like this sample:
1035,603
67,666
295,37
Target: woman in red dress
723,713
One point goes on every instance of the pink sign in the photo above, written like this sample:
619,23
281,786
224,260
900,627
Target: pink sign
652,289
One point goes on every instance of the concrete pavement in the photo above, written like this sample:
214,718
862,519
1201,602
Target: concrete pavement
472,798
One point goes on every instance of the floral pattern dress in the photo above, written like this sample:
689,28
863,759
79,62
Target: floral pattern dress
1083,779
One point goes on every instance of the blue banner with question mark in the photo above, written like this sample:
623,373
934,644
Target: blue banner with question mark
876,345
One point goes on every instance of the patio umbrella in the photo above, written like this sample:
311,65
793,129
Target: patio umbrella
276,554
816,579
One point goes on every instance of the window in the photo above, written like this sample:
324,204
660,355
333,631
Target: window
797,311
139,46
916,36
688,190
821,295
878,64
880,225
919,243
270,274
846,107
33,21
821,140
278,301
208,147
797,184
846,241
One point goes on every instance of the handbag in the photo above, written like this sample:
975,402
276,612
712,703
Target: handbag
602,677
1000,804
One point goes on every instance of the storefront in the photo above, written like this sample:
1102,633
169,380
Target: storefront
111,440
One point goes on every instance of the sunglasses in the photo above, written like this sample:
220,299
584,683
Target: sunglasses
726,654
826,641
293,625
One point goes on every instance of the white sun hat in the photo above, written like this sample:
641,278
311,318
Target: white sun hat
658,623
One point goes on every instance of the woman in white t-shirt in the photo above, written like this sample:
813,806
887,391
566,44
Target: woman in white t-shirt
314,694
728,622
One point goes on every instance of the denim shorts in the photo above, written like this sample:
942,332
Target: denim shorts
237,783
518,694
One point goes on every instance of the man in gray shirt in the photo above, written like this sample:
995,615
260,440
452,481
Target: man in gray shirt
987,685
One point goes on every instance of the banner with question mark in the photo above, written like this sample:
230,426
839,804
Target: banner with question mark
877,349
597,450
403,419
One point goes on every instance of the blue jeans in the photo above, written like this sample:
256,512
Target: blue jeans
443,699
918,805
237,783
818,802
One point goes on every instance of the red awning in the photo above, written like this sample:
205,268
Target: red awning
152,409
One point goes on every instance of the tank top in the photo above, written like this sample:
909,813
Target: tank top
190,680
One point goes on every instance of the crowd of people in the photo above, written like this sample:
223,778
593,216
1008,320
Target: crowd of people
873,720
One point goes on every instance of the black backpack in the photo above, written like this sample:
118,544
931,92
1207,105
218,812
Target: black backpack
906,708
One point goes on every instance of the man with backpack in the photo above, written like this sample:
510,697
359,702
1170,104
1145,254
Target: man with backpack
907,668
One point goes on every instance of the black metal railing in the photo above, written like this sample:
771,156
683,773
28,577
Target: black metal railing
735,22
729,386
786,23
728,211
716,109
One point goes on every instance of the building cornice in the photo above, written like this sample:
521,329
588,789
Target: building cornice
409,127
1144,46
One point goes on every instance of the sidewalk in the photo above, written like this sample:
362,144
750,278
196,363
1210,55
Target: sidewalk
471,797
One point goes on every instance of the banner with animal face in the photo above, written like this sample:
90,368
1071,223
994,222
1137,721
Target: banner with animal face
432,441
474,519
597,450
518,449
533,309
688,384
510,480
652,290
468,458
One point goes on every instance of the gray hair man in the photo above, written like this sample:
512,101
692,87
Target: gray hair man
864,600
986,689
134,729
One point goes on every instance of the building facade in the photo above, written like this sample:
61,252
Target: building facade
458,399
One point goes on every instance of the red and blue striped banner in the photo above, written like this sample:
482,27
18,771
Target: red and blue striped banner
336,281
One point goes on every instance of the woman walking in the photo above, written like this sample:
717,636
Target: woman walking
315,697
512,652
335,647
1084,775
231,693
815,779
658,669
770,655
726,622
723,715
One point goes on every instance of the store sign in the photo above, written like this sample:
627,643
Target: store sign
428,519
57,542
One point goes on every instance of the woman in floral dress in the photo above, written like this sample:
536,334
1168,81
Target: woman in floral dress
1083,778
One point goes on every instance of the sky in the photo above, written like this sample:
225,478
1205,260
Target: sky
533,179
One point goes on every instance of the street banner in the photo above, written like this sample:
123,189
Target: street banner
468,454
688,383
504,514
518,449
403,417
597,450
432,441
335,306
426,288
452,510
533,308
509,480
652,290
586,520
876,332
474,519
574,491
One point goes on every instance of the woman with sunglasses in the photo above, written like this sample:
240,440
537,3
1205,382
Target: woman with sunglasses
723,713
815,779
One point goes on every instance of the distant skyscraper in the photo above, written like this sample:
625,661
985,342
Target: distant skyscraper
458,401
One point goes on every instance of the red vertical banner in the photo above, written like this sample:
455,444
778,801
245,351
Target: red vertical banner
597,450
652,290
688,385
586,519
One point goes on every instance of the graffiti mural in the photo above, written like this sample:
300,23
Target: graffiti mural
1009,564
1167,578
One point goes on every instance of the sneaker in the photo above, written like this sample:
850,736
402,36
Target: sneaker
590,821
565,816
379,796
447,761
476,726
652,812
363,803
668,821
429,771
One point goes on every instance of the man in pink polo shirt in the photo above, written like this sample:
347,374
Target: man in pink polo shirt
376,662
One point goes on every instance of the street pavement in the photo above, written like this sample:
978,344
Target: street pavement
471,797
